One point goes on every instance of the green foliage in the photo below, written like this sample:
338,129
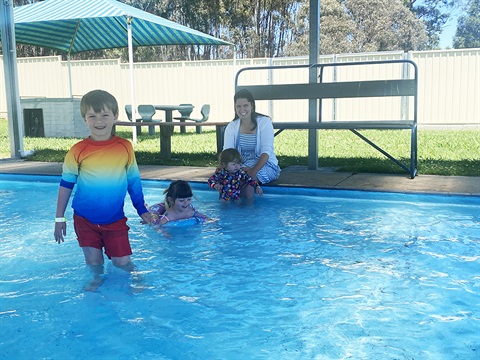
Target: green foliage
468,28
384,25
434,14
277,28
440,152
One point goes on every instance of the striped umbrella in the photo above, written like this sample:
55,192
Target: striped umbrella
81,25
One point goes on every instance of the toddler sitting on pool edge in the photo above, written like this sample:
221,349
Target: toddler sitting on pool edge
177,205
229,178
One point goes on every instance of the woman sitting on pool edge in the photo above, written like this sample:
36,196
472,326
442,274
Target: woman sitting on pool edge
252,135
176,206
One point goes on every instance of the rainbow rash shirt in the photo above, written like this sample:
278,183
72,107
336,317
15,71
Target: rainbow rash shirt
103,171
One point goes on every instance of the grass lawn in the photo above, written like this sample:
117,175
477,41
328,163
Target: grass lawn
440,152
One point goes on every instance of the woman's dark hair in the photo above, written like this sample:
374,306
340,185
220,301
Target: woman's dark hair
245,94
177,189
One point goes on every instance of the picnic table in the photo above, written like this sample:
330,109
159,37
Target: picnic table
184,109
166,132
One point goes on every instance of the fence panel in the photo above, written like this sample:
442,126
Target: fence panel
37,80
449,84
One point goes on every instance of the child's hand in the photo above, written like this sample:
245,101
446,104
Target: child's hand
146,218
218,187
60,231
259,190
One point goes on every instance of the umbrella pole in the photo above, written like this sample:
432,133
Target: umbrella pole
68,58
234,66
132,90
15,128
70,76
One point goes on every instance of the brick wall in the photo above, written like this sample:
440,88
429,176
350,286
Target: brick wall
61,116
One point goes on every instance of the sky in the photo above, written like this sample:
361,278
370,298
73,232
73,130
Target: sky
446,37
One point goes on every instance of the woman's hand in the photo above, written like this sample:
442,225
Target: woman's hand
250,171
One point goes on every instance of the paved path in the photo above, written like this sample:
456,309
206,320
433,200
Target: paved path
292,176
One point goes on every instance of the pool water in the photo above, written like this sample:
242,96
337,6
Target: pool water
301,274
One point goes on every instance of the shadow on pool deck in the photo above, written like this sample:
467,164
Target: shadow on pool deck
299,176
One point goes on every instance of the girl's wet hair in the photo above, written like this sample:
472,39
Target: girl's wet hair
178,189
229,155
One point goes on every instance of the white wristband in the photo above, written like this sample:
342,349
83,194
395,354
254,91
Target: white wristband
61,219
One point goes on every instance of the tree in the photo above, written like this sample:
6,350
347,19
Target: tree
435,14
260,28
384,25
468,28
335,30
352,26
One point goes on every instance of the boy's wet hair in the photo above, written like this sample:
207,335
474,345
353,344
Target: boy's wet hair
229,155
98,100
178,189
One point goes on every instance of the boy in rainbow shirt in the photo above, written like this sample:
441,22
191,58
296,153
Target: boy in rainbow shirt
104,168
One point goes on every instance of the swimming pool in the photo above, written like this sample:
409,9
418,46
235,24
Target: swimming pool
301,274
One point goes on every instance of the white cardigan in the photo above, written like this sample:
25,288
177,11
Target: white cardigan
264,138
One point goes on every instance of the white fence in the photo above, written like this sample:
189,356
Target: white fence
449,84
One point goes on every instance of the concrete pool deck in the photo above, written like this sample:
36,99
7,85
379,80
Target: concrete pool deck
297,176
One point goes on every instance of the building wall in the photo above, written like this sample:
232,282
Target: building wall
61,116
449,85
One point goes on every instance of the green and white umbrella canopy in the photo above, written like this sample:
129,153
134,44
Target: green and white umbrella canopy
74,26
81,25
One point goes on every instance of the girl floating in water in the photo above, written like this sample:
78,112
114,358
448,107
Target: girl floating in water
176,206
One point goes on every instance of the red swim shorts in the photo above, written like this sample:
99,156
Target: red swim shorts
113,237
